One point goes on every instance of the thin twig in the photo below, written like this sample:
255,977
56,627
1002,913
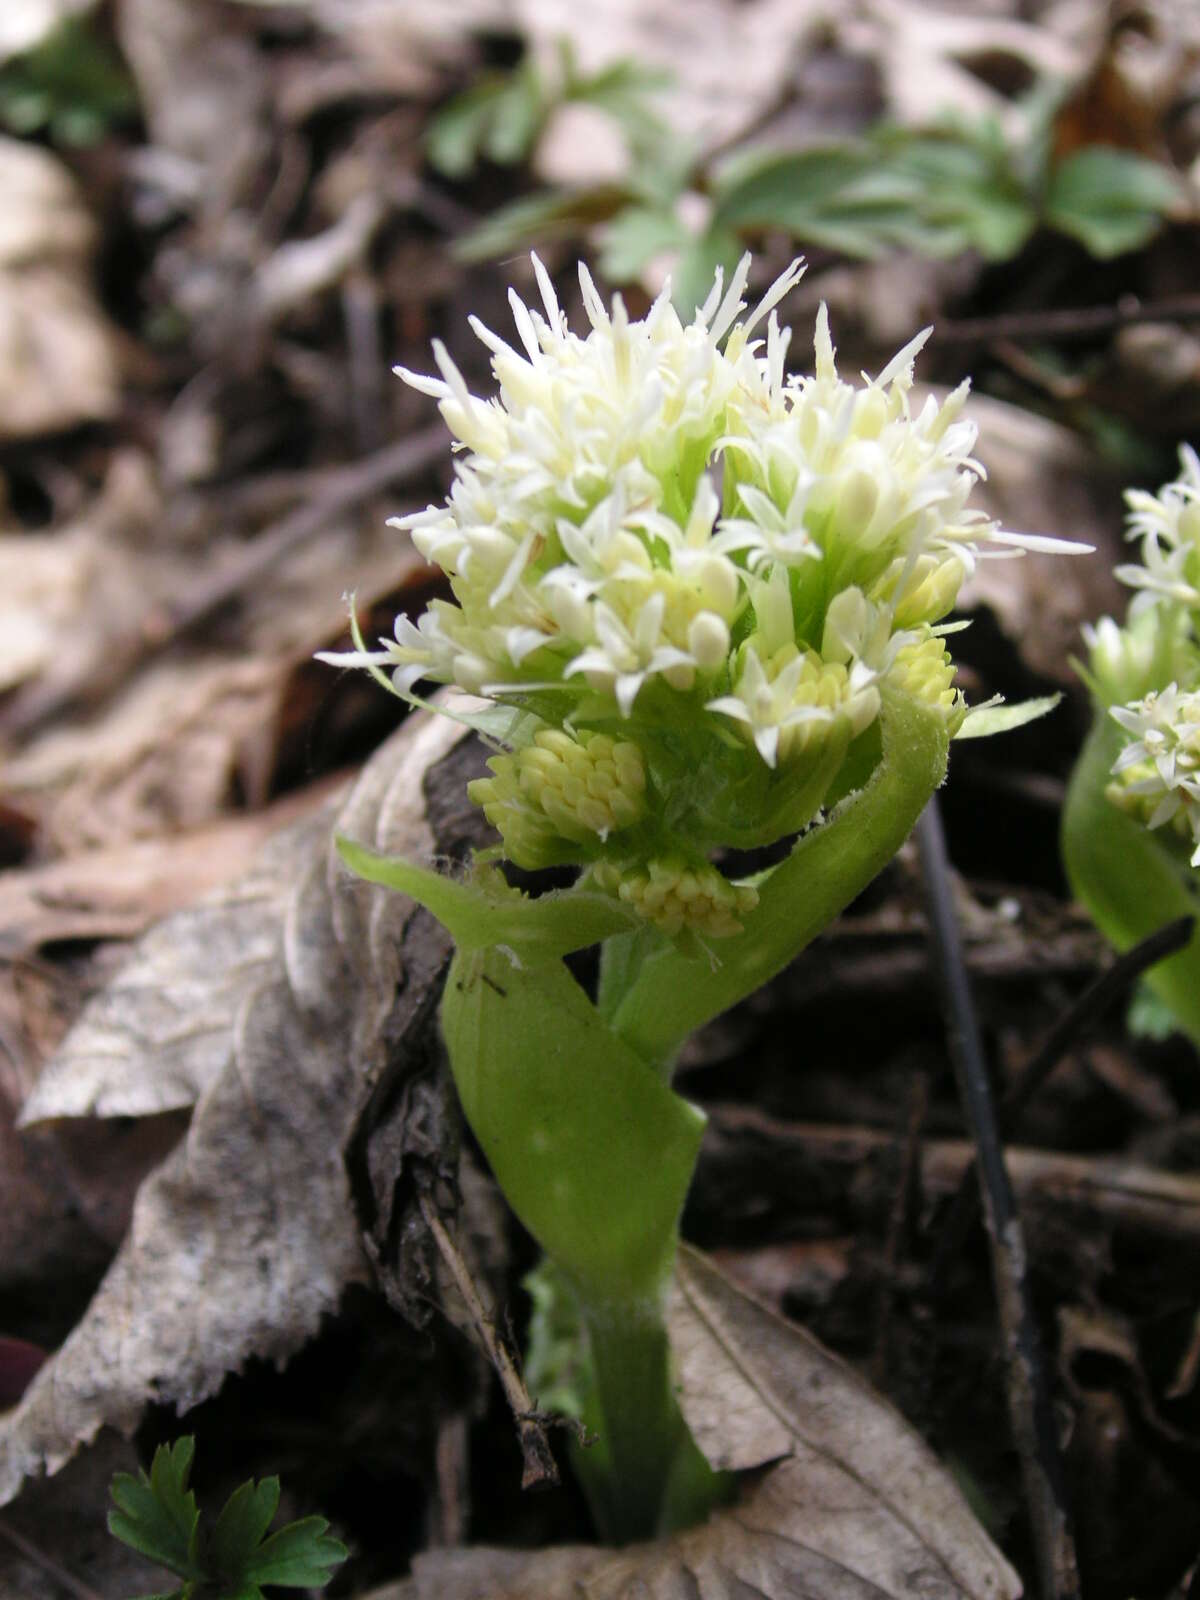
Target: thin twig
1083,322
540,1469
1076,1021
32,1552
1029,1398
342,488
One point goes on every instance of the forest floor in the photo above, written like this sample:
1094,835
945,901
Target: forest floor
223,223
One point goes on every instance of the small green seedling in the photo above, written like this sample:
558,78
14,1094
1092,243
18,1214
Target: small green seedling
157,1515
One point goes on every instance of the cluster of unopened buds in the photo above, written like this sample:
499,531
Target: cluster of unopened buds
1147,673
692,576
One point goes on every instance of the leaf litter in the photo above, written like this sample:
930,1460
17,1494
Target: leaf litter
857,1509
166,739
247,1235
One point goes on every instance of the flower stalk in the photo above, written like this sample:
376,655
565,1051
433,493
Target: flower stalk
675,671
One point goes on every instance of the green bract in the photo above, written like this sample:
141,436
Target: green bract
706,599
1131,828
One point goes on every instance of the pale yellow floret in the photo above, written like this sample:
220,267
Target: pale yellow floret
675,895
926,671
924,590
561,789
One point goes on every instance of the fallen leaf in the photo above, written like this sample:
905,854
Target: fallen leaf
158,1035
1043,479
247,1234
859,1510
860,1485
73,601
58,363
117,893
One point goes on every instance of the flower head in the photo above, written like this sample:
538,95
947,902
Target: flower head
1168,525
1147,673
1157,775
737,638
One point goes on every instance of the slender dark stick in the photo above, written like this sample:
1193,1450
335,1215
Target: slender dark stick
1029,1398
1075,1021
539,1468
52,1568
1084,322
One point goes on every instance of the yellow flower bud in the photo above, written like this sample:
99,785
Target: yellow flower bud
560,792
676,895
926,671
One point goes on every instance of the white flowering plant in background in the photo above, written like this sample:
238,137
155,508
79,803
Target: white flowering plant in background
706,599
1131,828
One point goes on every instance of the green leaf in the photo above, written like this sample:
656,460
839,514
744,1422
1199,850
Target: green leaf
969,195
518,115
1148,1016
300,1556
157,1515
551,214
593,1151
72,83
634,237
456,132
240,1528
840,196
1110,200
693,275
983,721
483,911
625,91
499,117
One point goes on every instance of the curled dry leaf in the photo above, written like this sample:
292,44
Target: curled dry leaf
247,1234
859,1509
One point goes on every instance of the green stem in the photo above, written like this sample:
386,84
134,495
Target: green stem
1130,880
638,1428
671,996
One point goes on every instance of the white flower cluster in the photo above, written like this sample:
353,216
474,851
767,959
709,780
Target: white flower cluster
656,533
1168,524
1157,774
1148,672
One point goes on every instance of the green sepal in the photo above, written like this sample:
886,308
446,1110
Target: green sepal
483,910
1130,880
672,996
983,721
593,1151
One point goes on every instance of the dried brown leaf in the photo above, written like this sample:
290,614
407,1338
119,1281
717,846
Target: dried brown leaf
58,363
119,892
1042,479
859,1510
748,1379
247,1234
